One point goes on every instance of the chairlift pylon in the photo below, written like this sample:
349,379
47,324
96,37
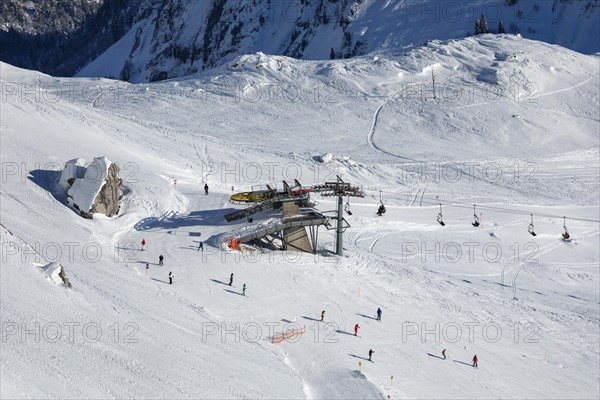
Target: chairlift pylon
476,221
530,229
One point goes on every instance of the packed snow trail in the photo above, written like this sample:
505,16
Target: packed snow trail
371,133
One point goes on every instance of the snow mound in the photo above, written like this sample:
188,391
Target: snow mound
52,272
326,158
349,383
329,158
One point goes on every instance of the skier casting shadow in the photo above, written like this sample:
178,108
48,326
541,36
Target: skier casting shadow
462,362
311,319
366,316
433,355
231,291
355,356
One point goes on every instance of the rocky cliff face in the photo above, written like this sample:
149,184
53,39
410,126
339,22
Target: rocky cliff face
180,37
107,201
59,37
48,16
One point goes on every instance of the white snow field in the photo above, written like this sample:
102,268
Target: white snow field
514,126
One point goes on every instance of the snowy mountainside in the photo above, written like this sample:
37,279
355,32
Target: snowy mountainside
48,16
476,78
528,108
59,37
180,37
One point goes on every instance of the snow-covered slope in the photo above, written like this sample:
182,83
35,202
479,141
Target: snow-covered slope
180,37
518,119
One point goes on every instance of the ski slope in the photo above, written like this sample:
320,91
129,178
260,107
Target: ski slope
532,302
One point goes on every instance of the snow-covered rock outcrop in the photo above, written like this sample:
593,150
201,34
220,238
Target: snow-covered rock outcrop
56,274
92,189
74,169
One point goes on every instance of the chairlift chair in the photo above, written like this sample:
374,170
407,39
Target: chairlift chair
347,206
476,222
565,235
530,229
381,210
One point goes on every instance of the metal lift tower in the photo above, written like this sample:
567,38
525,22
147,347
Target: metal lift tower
340,189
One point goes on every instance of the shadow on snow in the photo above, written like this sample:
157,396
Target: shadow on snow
173,220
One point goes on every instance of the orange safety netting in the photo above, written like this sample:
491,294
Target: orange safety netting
292,333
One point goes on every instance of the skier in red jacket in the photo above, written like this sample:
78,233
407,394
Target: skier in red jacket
475,361
356,329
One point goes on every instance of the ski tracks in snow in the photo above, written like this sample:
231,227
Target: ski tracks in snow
371,141
538,252
371,133
563,90
418,196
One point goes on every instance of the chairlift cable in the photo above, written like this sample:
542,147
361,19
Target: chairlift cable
458,204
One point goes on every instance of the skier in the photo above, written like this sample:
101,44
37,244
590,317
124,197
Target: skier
371,354
244,290
444,353
378,314
147,268
201,246
475,361
143,244
206,188
322,315
566,235
231,279
160,260
356,327
171,278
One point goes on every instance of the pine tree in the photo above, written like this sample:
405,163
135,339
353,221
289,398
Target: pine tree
484,25
481,25
332,54
501,28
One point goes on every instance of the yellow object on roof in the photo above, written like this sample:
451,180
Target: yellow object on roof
250,197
